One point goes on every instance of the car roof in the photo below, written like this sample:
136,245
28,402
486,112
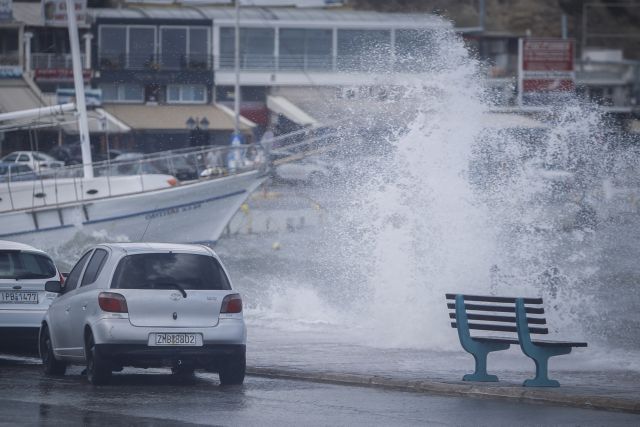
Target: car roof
16,246
131,248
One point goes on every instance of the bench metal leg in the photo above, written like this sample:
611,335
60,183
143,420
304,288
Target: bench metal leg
541,359
480,354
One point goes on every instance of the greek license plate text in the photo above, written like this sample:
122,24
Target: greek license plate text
161,339
18,297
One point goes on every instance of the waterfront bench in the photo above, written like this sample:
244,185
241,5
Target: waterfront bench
519,316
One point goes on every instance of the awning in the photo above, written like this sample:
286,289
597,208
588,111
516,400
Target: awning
281,105
174,117
17,94
100,121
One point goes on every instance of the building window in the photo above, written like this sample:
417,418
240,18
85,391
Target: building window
123,46
184,47
188,94
305,49
414,49
126,92
364,50
257,47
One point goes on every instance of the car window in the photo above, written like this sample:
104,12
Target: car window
23,158
40,157
25,265
11,158
22,169
94,267
72,280
4,169
166,270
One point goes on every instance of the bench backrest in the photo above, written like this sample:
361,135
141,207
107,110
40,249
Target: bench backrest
490,313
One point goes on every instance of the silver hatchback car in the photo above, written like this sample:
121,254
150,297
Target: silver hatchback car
145,305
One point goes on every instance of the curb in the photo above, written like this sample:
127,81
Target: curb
529,395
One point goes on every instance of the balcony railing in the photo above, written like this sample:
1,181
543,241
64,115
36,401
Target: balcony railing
47,61
155,62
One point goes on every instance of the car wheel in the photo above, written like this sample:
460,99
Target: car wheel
51,365
232,372
98,369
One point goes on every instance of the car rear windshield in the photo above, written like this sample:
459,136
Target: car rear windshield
168,271
25,265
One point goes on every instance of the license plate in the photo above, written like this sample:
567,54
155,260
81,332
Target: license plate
172,339
18,297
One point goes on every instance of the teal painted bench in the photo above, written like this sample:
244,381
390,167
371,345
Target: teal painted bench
519,316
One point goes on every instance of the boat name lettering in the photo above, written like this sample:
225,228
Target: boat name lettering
173,211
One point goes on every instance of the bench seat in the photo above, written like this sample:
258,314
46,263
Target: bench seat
541,343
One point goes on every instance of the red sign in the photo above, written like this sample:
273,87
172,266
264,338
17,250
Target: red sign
546,71
58,75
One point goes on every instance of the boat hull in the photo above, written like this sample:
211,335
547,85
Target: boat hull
189,213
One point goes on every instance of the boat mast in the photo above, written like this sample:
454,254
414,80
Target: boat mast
236,98
78,82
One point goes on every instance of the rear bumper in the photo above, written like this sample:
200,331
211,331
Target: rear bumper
17,318
209,357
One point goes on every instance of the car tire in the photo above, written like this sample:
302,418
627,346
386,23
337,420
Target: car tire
98,368
51,365
232,371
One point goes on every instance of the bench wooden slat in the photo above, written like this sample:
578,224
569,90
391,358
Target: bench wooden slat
489,298
504,319
497,308
500,328
542,343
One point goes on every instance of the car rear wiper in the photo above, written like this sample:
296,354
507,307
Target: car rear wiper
174,285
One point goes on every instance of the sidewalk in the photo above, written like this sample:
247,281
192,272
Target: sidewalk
277,354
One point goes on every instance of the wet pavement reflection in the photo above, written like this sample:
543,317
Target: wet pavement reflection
156,398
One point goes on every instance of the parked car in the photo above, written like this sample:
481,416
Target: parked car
24,270
16,172
311,171
39,162
145,305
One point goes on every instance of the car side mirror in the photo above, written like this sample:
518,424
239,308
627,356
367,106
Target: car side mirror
53,286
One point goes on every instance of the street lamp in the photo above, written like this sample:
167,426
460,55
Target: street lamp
198,131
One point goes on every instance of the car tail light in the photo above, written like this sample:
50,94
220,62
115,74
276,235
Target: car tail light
112,302
231,304
172,182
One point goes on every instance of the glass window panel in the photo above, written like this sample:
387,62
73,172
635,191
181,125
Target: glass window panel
257,47
141,47
174,47
199,93
363,49
414,49
173,93
198,47
113,46
227,47
132,92
109,92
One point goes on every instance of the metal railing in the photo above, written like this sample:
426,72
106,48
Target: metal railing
65,185
47,61
9,59
181,61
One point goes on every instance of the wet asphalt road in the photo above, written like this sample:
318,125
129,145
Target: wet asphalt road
155,398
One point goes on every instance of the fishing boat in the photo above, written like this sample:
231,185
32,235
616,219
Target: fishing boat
132,200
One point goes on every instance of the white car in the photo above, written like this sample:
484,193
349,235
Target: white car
39,162
145,305
24,270
308,170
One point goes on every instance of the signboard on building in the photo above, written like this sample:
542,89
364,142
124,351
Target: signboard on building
546,70
57,75
55,12
93,97
6,10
